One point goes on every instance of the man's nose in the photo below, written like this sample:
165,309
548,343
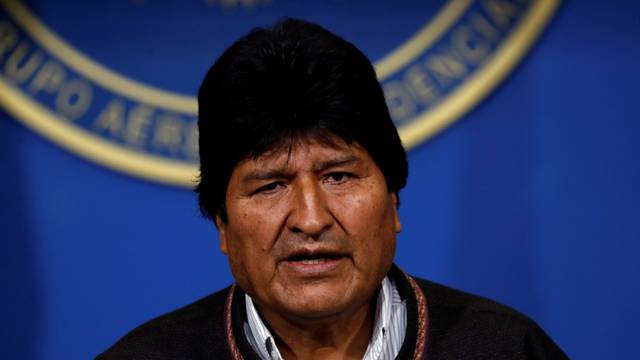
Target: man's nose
310,214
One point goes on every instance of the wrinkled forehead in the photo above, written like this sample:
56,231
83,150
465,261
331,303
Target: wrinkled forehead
285,144
286,151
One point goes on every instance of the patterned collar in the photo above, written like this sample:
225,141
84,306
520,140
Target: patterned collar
388,331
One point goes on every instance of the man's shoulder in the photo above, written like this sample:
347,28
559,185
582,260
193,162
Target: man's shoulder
467,326
193,331
444,298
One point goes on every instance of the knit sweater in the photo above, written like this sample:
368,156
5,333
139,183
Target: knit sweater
442,323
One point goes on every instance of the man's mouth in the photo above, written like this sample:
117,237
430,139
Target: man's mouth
313,258
314,262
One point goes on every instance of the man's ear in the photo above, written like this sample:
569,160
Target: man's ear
222,233
396,220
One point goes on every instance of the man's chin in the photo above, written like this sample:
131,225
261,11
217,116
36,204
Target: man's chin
319,301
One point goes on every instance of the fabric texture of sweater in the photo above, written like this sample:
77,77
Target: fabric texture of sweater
442,323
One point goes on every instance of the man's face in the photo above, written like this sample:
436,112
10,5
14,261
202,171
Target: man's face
311,230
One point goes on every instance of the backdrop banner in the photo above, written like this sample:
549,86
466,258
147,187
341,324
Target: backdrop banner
519,118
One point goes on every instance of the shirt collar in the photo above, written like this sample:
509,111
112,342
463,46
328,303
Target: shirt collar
388,330
257,333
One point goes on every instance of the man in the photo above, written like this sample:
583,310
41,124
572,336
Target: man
301,167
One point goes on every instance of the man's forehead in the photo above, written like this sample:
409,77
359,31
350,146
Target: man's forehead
304,140
312,150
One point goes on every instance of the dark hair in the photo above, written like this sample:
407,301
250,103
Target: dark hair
290,81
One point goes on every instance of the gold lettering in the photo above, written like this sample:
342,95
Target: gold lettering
138,125
469,46
168,133
112,118
421,84
8,37
446,67
17,68
399,100
191,145
74,98
49,78
501,12
484,27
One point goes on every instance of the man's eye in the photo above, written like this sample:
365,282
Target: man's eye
337,177
270,187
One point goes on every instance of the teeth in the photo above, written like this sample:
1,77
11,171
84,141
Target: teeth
313,261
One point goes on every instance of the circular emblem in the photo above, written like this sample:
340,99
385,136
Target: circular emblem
114,81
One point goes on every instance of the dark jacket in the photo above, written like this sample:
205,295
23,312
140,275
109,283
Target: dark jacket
443,323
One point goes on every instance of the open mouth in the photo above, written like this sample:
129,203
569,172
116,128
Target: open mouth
314,259
314,263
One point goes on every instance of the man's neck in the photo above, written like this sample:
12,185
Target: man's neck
341,337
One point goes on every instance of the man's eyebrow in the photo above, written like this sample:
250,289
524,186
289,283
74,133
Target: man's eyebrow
268,174
339,161
265,174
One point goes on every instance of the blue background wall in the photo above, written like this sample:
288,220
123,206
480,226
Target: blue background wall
531,199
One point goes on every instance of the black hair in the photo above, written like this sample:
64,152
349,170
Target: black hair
292,80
